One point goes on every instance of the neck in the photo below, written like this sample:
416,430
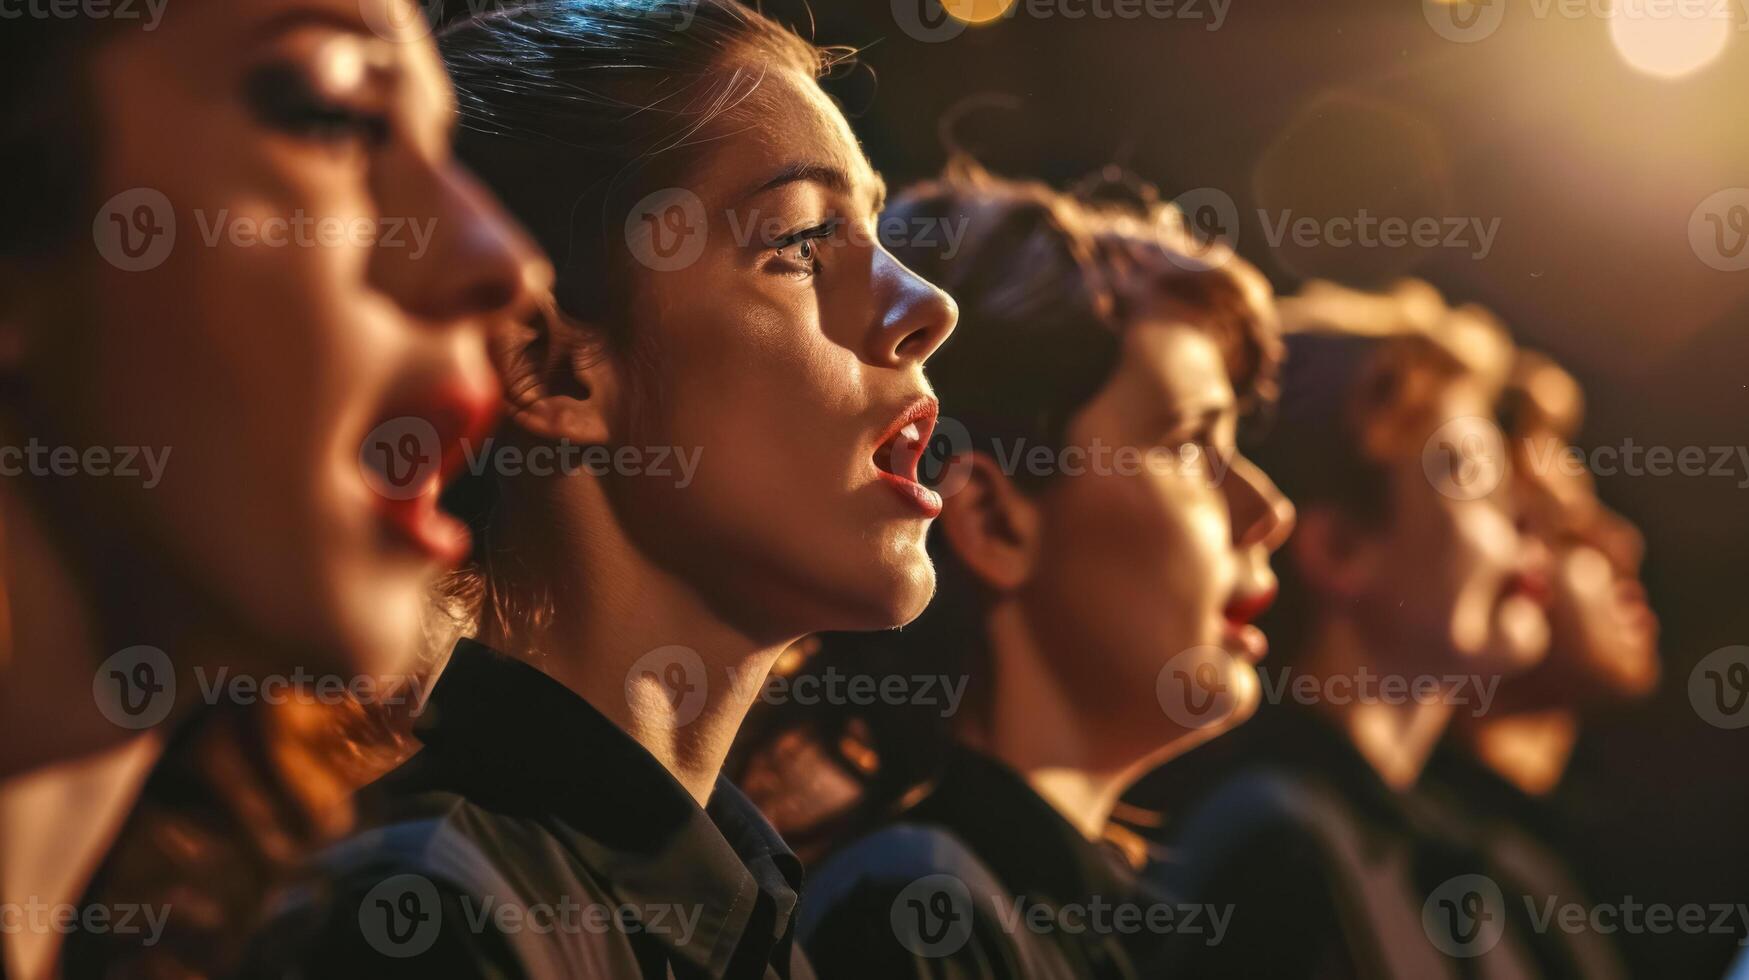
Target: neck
1529,749
1395,739
1032,724
49,650
612,611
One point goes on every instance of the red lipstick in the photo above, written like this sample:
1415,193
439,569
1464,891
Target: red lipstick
900,451
415,452
1242,637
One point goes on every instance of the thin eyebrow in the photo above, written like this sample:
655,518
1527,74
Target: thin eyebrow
826,175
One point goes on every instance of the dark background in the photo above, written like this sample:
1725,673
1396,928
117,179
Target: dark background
1593,170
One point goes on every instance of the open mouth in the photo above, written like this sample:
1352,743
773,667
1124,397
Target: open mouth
1241,636
416,462
900,453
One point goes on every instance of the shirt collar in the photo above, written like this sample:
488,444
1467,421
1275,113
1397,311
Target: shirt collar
519,740
1031,847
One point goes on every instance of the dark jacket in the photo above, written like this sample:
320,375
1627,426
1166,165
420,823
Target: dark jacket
981,878
1327,871
531,837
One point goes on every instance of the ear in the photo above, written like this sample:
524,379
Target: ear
560,382
992,527
1334,555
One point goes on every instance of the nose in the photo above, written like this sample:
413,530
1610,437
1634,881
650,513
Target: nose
477,263
1261,514
913,318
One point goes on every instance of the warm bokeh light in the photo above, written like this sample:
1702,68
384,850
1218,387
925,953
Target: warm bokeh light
1669,40
976,11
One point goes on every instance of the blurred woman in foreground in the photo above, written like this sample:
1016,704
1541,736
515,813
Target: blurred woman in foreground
229,515
1101,533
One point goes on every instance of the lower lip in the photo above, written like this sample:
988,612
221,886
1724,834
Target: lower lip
419,522
1246,640
927,501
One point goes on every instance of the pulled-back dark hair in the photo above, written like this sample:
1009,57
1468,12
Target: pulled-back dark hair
1047,282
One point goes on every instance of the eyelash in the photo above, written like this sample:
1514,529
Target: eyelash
806,237
284,100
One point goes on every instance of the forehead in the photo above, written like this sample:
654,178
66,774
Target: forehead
785,121
1176,362
386,33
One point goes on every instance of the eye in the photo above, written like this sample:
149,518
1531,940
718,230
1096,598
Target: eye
283,98
801,250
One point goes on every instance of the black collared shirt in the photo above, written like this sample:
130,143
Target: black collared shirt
1518,836
981,878
532,837
1327,871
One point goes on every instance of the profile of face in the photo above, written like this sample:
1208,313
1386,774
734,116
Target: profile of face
1147,554
288,303
791,367
1445,582
1604,642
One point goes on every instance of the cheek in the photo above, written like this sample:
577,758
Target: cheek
1145,561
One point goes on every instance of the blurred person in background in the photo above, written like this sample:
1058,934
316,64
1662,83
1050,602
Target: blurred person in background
1099,526
1408,592
619,620
1502,768
227,516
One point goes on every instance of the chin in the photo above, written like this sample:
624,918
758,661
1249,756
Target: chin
380,633
905,593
